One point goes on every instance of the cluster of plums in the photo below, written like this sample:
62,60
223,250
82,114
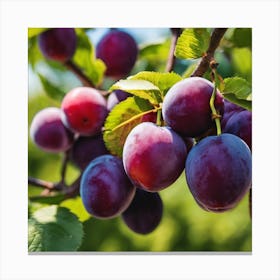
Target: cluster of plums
117,49
217,168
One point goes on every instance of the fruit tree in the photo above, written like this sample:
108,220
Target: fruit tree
139,144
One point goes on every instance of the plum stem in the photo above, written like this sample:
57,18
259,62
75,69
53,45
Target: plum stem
64,166
159,117
215,114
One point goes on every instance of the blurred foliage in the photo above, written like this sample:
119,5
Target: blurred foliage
85,59
184,226
35,31
153,56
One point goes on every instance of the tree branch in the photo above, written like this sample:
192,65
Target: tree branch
77,71
64,166
171,57
68,191
74,189
42,183
215,39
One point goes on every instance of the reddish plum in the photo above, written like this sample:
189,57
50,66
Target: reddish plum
186,106
153,156
84,111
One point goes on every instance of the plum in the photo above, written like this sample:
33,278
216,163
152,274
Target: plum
229,109
85,149
219,171
48,132
149,117
144,213
84,111
153,156
240,124
58,44
186,107
189,142
119,51
105,189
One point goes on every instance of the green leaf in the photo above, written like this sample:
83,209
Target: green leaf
140,88
192,43
164,81
84,57
155,55
237,86
155,52
54,228
122,119
51,89
242,62
51,199
242,37
238,91
34,54
246,104
35,236
75,205
32,32
34,206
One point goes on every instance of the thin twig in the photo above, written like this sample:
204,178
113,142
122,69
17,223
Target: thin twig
77,71
171,57
49,187
215,39
74,189
42,183
64,166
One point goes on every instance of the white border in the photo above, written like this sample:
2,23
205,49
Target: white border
17,16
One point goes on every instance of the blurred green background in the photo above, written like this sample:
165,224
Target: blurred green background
184,226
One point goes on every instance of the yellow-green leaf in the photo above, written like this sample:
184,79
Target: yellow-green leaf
122,119
164,81
192,43
140,88
237,86
238,91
